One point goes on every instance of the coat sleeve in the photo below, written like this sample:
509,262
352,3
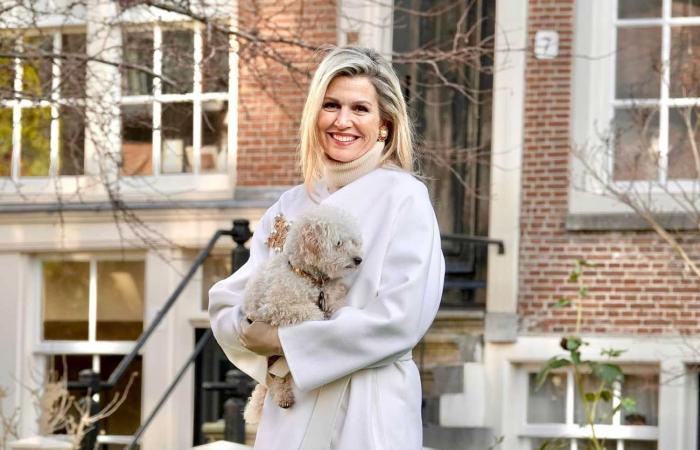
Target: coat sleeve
390,325
226,300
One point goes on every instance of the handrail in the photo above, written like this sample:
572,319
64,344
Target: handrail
483,240
201,343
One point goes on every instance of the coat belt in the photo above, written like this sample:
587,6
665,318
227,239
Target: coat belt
319,431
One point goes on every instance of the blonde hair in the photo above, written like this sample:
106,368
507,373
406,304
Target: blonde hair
353,61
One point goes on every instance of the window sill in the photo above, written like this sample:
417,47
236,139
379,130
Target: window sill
87,189
627,222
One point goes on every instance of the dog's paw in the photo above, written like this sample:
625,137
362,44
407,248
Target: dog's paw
286,403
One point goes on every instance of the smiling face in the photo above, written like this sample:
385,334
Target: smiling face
349,120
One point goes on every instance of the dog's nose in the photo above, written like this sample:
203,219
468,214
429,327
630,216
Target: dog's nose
357,260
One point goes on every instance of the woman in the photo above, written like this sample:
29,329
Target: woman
356,385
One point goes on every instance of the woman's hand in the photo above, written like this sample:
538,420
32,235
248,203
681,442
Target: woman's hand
260,338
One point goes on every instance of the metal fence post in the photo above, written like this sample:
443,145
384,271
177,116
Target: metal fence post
241,234
92,380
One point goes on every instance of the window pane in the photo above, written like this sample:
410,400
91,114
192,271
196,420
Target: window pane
5,142
685,8
603,411
137,51
638,62
70,367
36,142
588,445
548,403
636,134
685,62
36,73
214,136
640,445
178,61
634,9
65,299
7,70
72,140
215,268
137,135
127,418
215,61
176,125
550,444
644,389
119,300
73,66
684,143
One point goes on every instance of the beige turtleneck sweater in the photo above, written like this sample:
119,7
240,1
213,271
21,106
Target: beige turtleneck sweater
338,174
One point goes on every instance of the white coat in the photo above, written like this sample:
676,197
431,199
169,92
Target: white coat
391,303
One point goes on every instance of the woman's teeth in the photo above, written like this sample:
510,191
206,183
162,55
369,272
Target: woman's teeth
343,138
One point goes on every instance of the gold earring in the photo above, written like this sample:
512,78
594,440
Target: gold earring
383,134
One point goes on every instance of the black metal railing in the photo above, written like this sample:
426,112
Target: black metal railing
465,269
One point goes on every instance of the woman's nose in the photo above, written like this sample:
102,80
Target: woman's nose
342,120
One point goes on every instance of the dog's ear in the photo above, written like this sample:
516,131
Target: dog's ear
311,239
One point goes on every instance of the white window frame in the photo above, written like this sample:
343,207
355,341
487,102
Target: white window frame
43,349
594,102
189,186
570,429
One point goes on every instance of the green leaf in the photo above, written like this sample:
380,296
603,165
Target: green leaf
573,343
576,358
562,302
573,276
589,397
612,353
628,404
606,395
553,363
583,292
583,263
608,373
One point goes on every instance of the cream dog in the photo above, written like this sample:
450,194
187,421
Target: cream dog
303,282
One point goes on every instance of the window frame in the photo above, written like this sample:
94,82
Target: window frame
594,71
193,185
44,349
570,430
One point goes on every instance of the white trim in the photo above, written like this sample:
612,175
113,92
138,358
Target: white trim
197,104
157,137
92,302
506,154
372,20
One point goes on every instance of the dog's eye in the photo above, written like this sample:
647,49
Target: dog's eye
339,243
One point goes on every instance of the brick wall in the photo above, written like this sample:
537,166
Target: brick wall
639,285
271,96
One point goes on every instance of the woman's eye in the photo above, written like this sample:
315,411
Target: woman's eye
361,108
330,105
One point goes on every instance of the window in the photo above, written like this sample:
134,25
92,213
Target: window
554,413
657,91
634,106
42,105
176,120
173,104
85,304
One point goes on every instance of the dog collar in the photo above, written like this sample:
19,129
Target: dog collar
316,281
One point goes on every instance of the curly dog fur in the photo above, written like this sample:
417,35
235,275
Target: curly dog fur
323,244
